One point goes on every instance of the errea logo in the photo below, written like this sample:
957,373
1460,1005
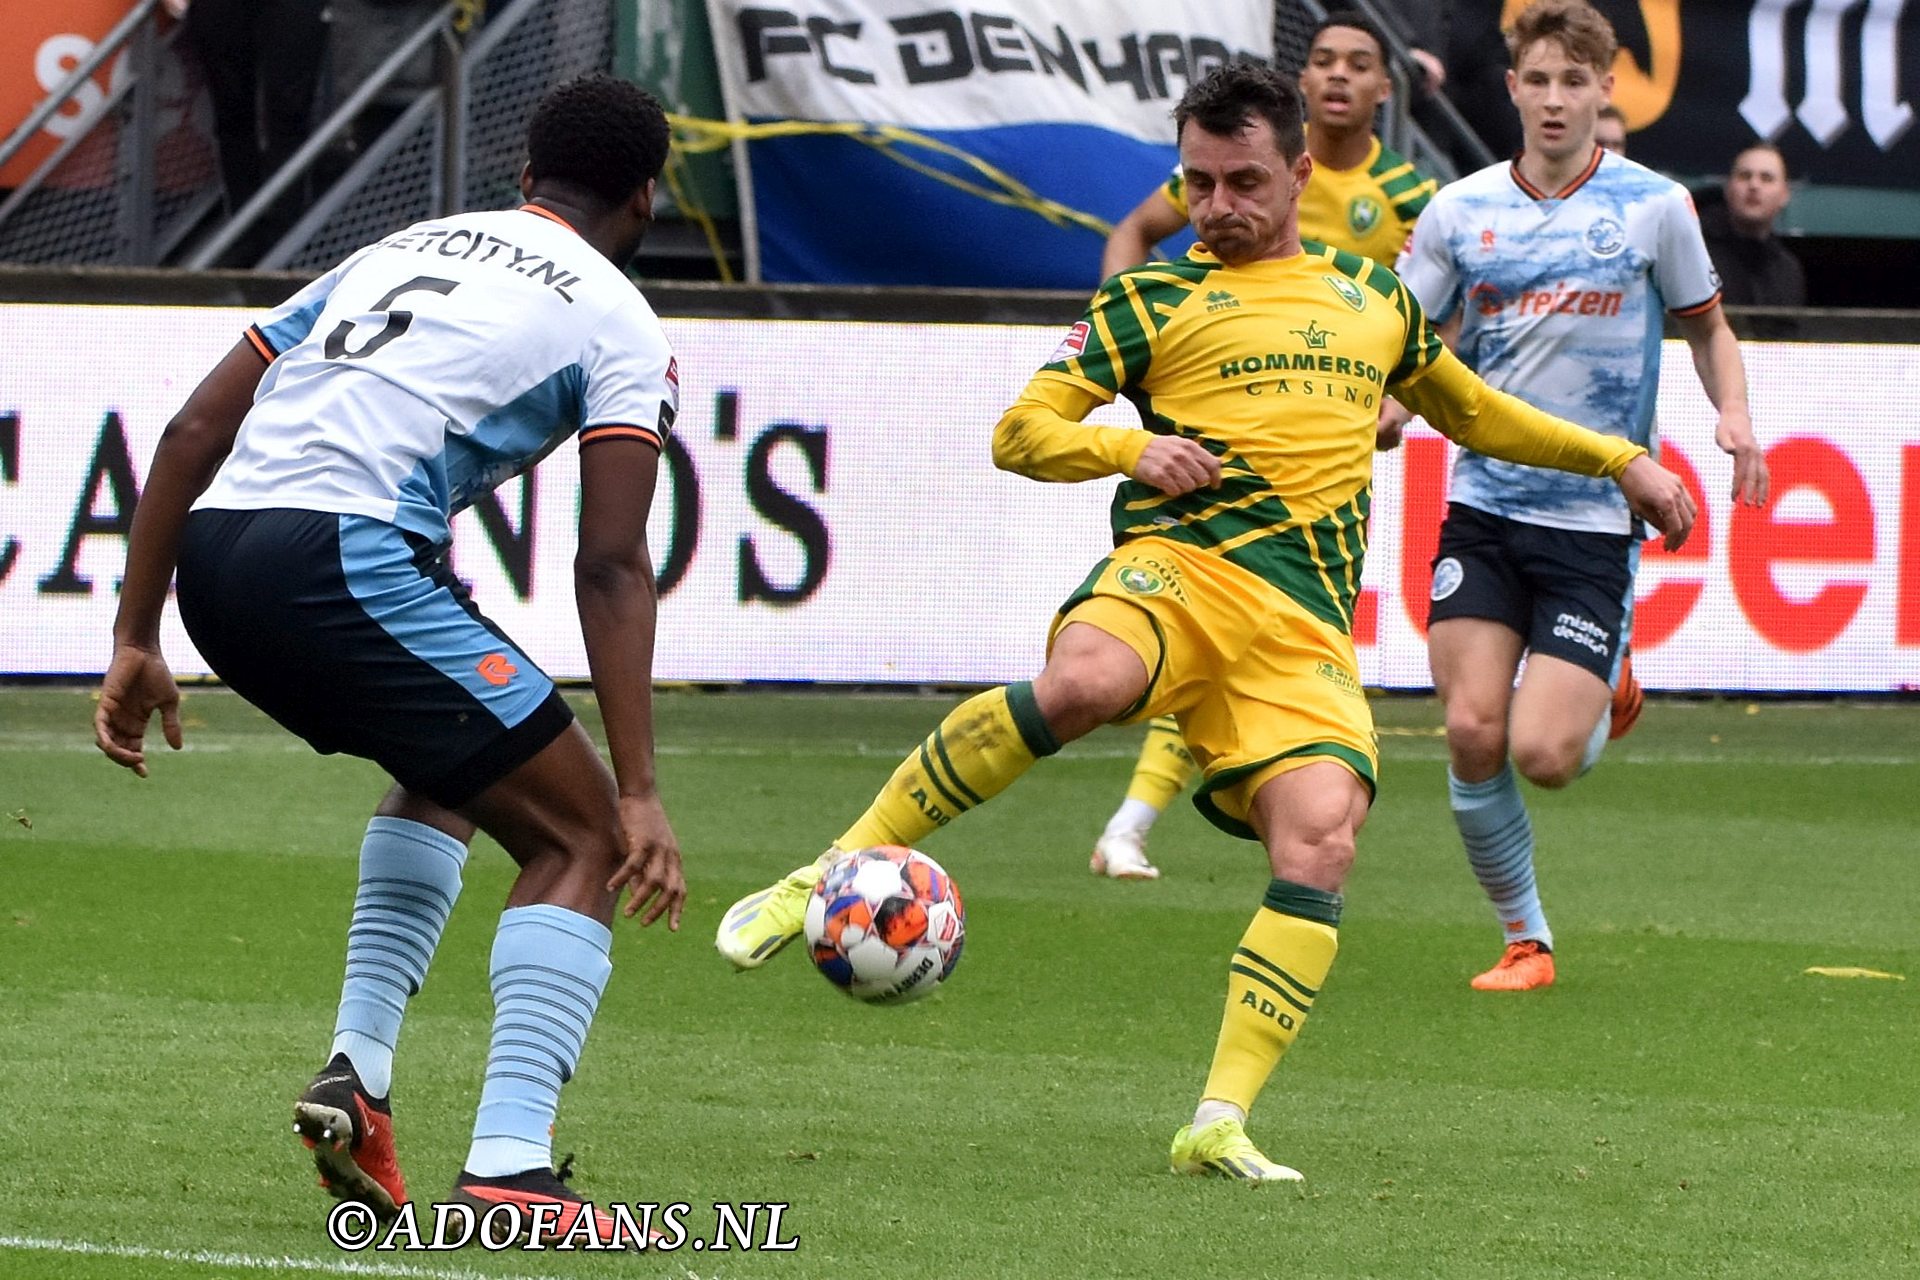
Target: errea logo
1221,300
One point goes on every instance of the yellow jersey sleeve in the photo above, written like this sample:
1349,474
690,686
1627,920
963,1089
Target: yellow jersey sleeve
1042,436
1469,412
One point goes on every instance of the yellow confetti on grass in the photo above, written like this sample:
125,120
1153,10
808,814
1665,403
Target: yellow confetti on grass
1849,971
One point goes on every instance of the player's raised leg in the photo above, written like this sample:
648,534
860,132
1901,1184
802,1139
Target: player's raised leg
1308,819
410,865
1474,660
1162,772
975,753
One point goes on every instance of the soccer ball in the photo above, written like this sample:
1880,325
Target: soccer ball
885,925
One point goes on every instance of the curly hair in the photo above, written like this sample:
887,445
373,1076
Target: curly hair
600,134
1223,100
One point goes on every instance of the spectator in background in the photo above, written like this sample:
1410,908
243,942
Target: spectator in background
1477,77
1422,25
261,59
1756,270
1610,130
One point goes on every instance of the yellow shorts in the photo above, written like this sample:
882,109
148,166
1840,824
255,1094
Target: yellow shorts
1259,685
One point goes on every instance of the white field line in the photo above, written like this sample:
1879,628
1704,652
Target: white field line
244,1261
253,1261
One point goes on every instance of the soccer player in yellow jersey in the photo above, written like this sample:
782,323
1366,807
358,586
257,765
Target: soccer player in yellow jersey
1240,528
1363,198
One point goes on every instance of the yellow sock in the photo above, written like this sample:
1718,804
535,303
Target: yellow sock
982,746
1271,984
1165,766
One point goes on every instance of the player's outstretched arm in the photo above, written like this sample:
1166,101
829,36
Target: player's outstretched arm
1466,410
1131,241
192,448
614,587
1716,358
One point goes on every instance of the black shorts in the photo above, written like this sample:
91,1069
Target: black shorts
357,637
1568,593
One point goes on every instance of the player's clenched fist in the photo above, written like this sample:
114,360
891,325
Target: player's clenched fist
1658,497
1175,465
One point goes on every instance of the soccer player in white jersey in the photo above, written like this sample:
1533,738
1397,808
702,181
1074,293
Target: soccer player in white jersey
322,459
1557,266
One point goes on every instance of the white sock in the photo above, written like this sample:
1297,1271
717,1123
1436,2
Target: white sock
1132,817
1211,1109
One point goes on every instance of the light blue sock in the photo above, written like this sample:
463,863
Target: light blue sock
1498,834
409,879
549,967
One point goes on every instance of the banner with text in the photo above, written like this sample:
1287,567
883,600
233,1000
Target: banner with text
1071,98
829,512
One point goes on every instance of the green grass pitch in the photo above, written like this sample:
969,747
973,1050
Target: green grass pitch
1687,1102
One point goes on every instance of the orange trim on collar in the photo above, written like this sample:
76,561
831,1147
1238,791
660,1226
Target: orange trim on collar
1593,167
550,215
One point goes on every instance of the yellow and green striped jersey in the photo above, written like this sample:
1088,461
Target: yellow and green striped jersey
1368,209
1278,368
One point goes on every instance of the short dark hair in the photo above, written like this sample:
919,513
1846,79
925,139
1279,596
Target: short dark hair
1358,21
1761,144
1610,112
1222,101
599,134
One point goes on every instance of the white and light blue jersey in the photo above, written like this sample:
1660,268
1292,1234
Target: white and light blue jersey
436,364
1561,299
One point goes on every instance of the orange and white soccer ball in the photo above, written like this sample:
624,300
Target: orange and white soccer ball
886,924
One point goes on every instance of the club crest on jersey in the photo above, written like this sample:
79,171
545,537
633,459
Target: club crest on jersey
1141,582
1349,291
1605,237
1447,576
1072,345
1363,214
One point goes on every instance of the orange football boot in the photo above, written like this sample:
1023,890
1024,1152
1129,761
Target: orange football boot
1628,700
1524,966
350,1133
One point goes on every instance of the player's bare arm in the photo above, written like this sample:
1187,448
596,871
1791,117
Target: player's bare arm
1716,358
194,444
616,595
1131,241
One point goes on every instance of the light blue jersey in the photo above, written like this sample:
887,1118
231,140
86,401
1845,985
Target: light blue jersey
1561,298
440,362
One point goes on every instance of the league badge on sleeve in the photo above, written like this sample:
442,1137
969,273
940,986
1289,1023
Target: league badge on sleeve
1072,345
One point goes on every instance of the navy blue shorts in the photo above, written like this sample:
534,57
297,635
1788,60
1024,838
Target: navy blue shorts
1567,592
358,637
